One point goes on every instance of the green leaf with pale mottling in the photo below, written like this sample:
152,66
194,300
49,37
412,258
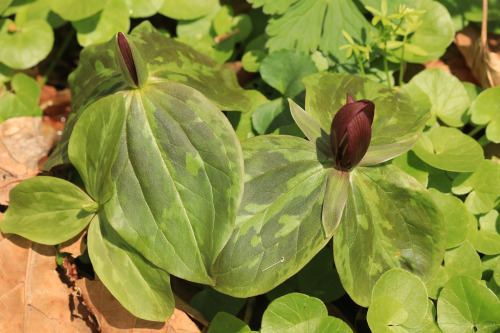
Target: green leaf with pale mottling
300,313
485,110
462,260
94,145
278,225
390,221
396,125
466,305
449,149
48,210
142,288
447,96
482,186
178,179
337,191
97,76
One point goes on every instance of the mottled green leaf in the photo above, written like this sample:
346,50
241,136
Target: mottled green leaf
485,110
449,149
460,261
178,179
447,96
412,165
210,302
336,194
29,44
483,186
167,60
466,305
300,313
74,10
406,290
48,210
278,225
139,286
390,221
396,125
284,69
102,26
224,322
23,100
486,239
456,217
187,9
94,144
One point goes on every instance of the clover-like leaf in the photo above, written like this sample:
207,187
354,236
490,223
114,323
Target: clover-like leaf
74,10
27,45
486,239
449,149
167,60
141,288
143,8
187,9
482,186
485,110
210,302
414,166
404,289
447,96
48,210
466,305
387,223
224,322
178,179
278,225
23,101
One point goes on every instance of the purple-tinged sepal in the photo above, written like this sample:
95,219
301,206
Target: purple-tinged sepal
351,132
132,65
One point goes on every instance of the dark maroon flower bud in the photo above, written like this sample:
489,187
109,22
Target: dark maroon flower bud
127,57
351,132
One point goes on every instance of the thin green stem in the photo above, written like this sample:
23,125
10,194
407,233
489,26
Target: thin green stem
58,56
402,63
483,141
386,66
249,310
360,63
475,130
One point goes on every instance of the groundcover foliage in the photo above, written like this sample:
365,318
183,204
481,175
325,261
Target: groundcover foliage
323,179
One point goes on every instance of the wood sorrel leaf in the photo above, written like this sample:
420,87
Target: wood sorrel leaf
407,290
167,60
94,144
48,210
387,223
300,313
142,288
224,322
486,239
396,125
485,110
23,100
143,8
464,304
74,10
187,9
449,149
278,225
178,179
444,93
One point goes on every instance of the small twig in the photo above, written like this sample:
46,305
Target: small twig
222,38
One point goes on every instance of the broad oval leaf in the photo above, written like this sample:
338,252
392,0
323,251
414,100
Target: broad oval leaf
27,46
449,149
485,110
142,288
406,289
98,75
466,305
486,239
224,322
390,221
48,210
74,10
178,179
396,126
447,96
94,145
278,225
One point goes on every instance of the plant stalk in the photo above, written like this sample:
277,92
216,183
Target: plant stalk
402,63
249,310
386,66
475,130
360,63
58,56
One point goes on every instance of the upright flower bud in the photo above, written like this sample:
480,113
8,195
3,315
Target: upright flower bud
132,66
351,132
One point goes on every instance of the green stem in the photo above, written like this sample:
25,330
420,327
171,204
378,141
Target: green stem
58,56
475,130
360,63
249,310
402,63
483,141
386,66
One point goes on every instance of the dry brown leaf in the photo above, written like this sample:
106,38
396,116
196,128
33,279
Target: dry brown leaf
484,63
114,318
32,296
23,142
74,246
453,61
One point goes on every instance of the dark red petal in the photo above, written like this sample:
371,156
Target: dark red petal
360,133
127,57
